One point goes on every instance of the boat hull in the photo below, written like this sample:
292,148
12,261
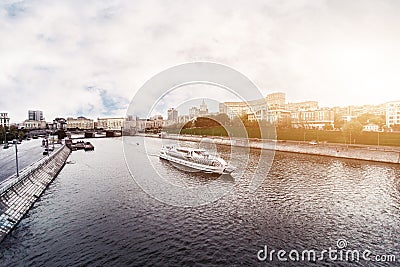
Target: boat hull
193,166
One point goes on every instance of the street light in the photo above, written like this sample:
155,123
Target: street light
350,137
378,139
53,139
16,155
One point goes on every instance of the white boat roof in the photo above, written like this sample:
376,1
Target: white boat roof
191,149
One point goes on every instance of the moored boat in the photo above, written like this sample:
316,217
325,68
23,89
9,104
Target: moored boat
88,146
79,145
196,159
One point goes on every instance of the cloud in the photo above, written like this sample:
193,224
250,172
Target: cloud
51,52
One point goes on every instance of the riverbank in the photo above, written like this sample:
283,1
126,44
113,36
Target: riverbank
385,154
299,134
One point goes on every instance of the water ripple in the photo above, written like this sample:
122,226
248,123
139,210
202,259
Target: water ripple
94,214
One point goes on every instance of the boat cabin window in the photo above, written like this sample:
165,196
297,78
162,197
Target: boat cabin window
201,153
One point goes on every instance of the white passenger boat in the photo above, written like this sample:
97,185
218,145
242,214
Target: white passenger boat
196,159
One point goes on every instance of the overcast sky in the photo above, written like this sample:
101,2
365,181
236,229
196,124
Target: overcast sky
72,58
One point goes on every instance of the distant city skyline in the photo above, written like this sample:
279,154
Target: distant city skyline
57,60
182,108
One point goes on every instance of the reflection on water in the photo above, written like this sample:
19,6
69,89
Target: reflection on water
94,213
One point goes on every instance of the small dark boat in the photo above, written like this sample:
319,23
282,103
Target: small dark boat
80,145
88,146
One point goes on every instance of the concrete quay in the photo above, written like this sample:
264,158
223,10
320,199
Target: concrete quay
18,194
361,152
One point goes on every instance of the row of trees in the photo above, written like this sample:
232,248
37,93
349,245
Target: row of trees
350,130
339,122
363,119
242,120
355,125
220,119
10,133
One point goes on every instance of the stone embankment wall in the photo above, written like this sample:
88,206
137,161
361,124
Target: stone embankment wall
361,152
18,194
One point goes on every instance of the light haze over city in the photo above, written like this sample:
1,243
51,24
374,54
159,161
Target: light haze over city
88,58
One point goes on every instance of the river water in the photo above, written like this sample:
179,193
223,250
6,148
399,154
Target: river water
94,213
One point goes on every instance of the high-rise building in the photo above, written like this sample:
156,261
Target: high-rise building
393,113
258,109
203,109
233,109
276,100
4,119
183,119
35,115
172,115
194,112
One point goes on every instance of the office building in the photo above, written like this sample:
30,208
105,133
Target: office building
172,115
4,119
81,123
112,124
35,115
392,113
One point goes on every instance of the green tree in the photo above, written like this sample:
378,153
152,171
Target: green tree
240,120
202,122
338,121
60,134
328,127
188,125
367,118
284,123
222,118
352,130
12,133
2,130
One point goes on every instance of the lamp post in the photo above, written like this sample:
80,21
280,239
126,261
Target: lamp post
47,144
53,139
350,137
378,139
16,156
